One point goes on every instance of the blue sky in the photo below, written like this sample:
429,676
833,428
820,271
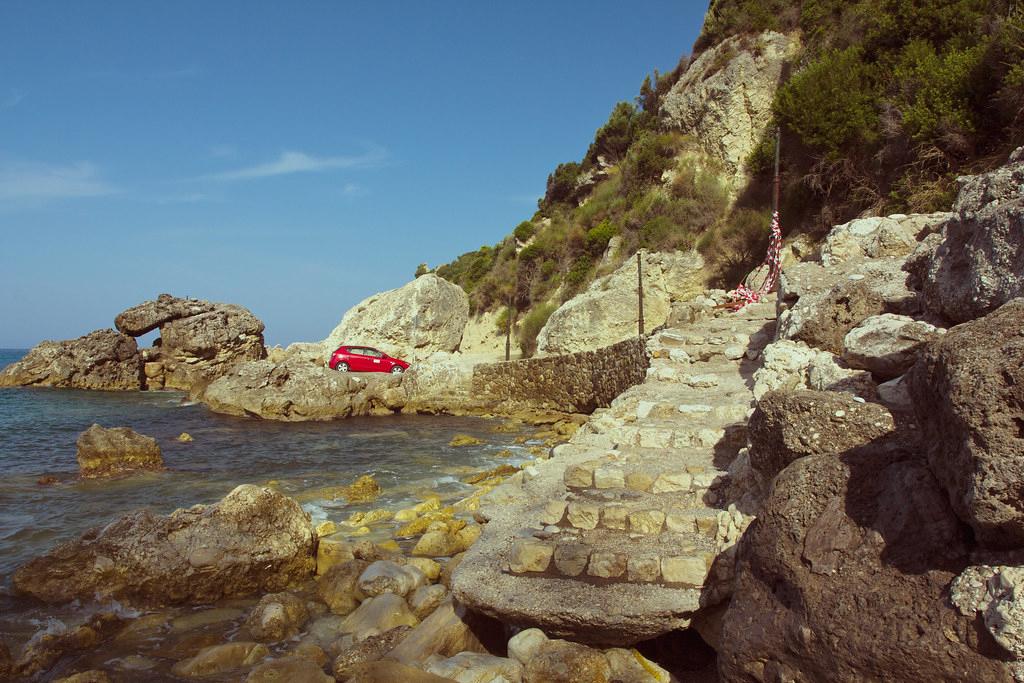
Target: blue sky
290,157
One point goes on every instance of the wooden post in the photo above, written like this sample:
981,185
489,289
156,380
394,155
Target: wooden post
508,326
640,292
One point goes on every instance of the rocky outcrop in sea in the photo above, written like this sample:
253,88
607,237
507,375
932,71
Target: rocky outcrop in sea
198,342
103,359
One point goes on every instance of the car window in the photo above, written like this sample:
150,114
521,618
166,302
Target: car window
373,352
359,351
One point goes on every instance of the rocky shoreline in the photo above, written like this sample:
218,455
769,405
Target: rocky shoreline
825,486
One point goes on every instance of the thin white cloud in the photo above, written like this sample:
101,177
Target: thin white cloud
353,190
11,100
300,162
189,198
35,181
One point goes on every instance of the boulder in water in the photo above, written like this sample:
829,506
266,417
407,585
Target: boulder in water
106,452
254,540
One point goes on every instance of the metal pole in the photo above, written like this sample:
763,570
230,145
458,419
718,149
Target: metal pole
640,292
776,182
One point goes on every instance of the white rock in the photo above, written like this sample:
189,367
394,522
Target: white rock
887,344
525,644
724,98
384,576
606,312
426,315
895,396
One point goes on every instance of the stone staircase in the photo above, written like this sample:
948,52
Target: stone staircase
626,532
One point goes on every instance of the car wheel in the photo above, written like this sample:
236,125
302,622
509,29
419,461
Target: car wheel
341,367
397,370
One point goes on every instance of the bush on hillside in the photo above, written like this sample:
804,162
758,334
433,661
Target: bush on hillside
531,326
612,140
561,187
650,156
832,102
599,236
935,92
524,231
736,245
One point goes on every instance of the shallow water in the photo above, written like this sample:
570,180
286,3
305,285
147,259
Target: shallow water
408,455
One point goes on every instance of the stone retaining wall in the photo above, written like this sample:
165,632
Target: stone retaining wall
578,382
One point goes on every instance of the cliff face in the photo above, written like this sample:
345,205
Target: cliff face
724,99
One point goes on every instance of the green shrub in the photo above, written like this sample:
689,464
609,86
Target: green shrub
650,156
501,322
604,201
579,271
935,90
737,245
532,252
524,231
613,139
531,326
832,102
599,236
561,187
422,269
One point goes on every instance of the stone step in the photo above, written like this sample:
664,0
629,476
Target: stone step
703,413
677,434
633,473
625,545
620,536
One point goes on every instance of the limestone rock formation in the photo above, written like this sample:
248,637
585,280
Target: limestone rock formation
790,365
786,426
878,236
426,315
199,340
200,348
103,359
724,98
968,391
888,344
441,382
255,539
295,391
979,263
822,303
606,312
105,452
220,659
844,577
149,315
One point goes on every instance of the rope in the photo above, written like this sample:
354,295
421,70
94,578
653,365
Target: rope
743,295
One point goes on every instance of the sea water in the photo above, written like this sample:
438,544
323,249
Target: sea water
408,455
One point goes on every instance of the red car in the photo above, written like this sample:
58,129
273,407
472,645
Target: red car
365,359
